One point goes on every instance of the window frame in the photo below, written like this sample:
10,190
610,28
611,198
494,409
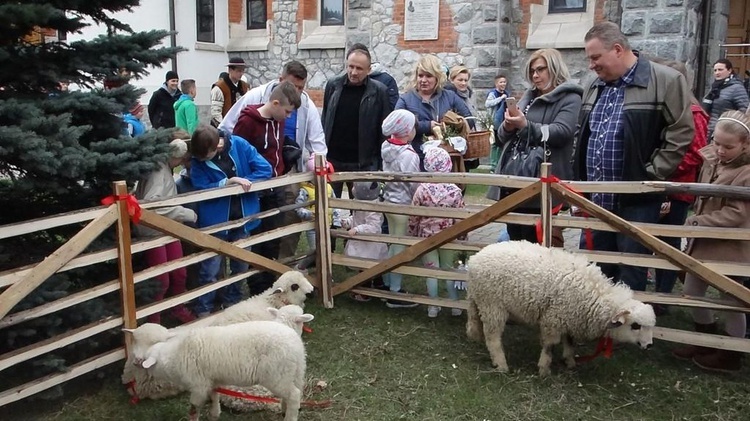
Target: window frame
199,19
249,24
553,10
322,13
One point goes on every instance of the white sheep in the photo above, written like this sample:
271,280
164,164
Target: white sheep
566,296
290,288
268,353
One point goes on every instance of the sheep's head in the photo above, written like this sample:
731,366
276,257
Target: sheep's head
291,315
292,288
634,324
144,337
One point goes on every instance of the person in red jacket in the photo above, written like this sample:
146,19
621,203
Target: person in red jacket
263,127
675,209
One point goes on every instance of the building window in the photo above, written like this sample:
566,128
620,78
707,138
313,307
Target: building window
256,14
331,12
205,19
567,6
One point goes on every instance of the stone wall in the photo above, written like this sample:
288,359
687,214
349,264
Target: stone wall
267,65
484,35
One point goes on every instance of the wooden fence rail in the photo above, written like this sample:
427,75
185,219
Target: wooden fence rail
17,283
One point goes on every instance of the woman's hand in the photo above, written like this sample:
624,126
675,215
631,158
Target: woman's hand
352,231
434,124
245,183
514,122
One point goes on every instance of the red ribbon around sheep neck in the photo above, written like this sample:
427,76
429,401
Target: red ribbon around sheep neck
603,347
134,209
265,399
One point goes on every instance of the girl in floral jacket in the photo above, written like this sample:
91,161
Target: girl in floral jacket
436,195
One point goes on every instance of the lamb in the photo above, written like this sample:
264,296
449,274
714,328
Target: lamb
269,353
290,288
566,296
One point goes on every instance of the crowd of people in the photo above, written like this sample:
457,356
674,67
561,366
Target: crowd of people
636,120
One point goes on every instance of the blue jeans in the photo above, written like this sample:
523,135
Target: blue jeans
665,279
632,276
210,269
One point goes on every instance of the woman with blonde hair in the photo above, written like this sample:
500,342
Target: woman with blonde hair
547,115
428,100
458,82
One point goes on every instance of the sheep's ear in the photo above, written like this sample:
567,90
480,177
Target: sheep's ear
149,362
304,318
274,311
618,320
278,290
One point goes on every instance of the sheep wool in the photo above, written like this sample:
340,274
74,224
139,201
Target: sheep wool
290,288
267,353
562,293
243,354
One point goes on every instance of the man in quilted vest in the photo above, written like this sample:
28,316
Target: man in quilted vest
227,90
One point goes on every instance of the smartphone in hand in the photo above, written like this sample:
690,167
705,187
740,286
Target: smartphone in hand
512,106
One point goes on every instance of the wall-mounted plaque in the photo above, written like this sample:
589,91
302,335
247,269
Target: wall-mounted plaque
421,19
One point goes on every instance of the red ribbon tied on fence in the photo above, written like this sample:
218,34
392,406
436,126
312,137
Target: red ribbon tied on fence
326,171
588,235
134,209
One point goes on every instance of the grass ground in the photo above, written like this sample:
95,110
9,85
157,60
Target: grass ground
384,364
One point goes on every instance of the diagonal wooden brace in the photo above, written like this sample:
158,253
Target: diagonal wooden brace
446,236
178,230
72,248
678,258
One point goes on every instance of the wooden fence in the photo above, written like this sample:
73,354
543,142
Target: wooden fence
665,257
18,283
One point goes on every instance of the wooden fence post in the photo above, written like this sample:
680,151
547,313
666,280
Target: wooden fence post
125,262
546,207
323,232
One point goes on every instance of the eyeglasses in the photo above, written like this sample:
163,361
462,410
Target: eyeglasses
537,70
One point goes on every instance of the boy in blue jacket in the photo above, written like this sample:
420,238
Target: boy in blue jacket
219,161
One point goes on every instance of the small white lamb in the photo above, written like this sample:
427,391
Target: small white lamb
562,293
290,288
267,353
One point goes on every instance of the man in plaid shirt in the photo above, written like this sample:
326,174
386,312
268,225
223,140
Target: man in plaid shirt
635,125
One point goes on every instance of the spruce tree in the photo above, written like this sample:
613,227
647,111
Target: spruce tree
60,151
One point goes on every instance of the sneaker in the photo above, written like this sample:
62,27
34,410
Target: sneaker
359,297
391,303
202,315
432,311
456,312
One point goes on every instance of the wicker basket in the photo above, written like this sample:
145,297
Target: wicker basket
477,145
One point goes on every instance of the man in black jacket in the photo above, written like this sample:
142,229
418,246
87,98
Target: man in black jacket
160,107
354,107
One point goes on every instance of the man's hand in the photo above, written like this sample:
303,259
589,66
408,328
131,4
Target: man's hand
245,183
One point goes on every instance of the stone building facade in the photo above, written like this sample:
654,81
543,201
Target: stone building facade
488,36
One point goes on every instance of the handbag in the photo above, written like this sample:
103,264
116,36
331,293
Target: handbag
522,159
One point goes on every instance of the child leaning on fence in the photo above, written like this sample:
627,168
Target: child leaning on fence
219,162
307,194
160,185
726,161
436,195
398,156
365,222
